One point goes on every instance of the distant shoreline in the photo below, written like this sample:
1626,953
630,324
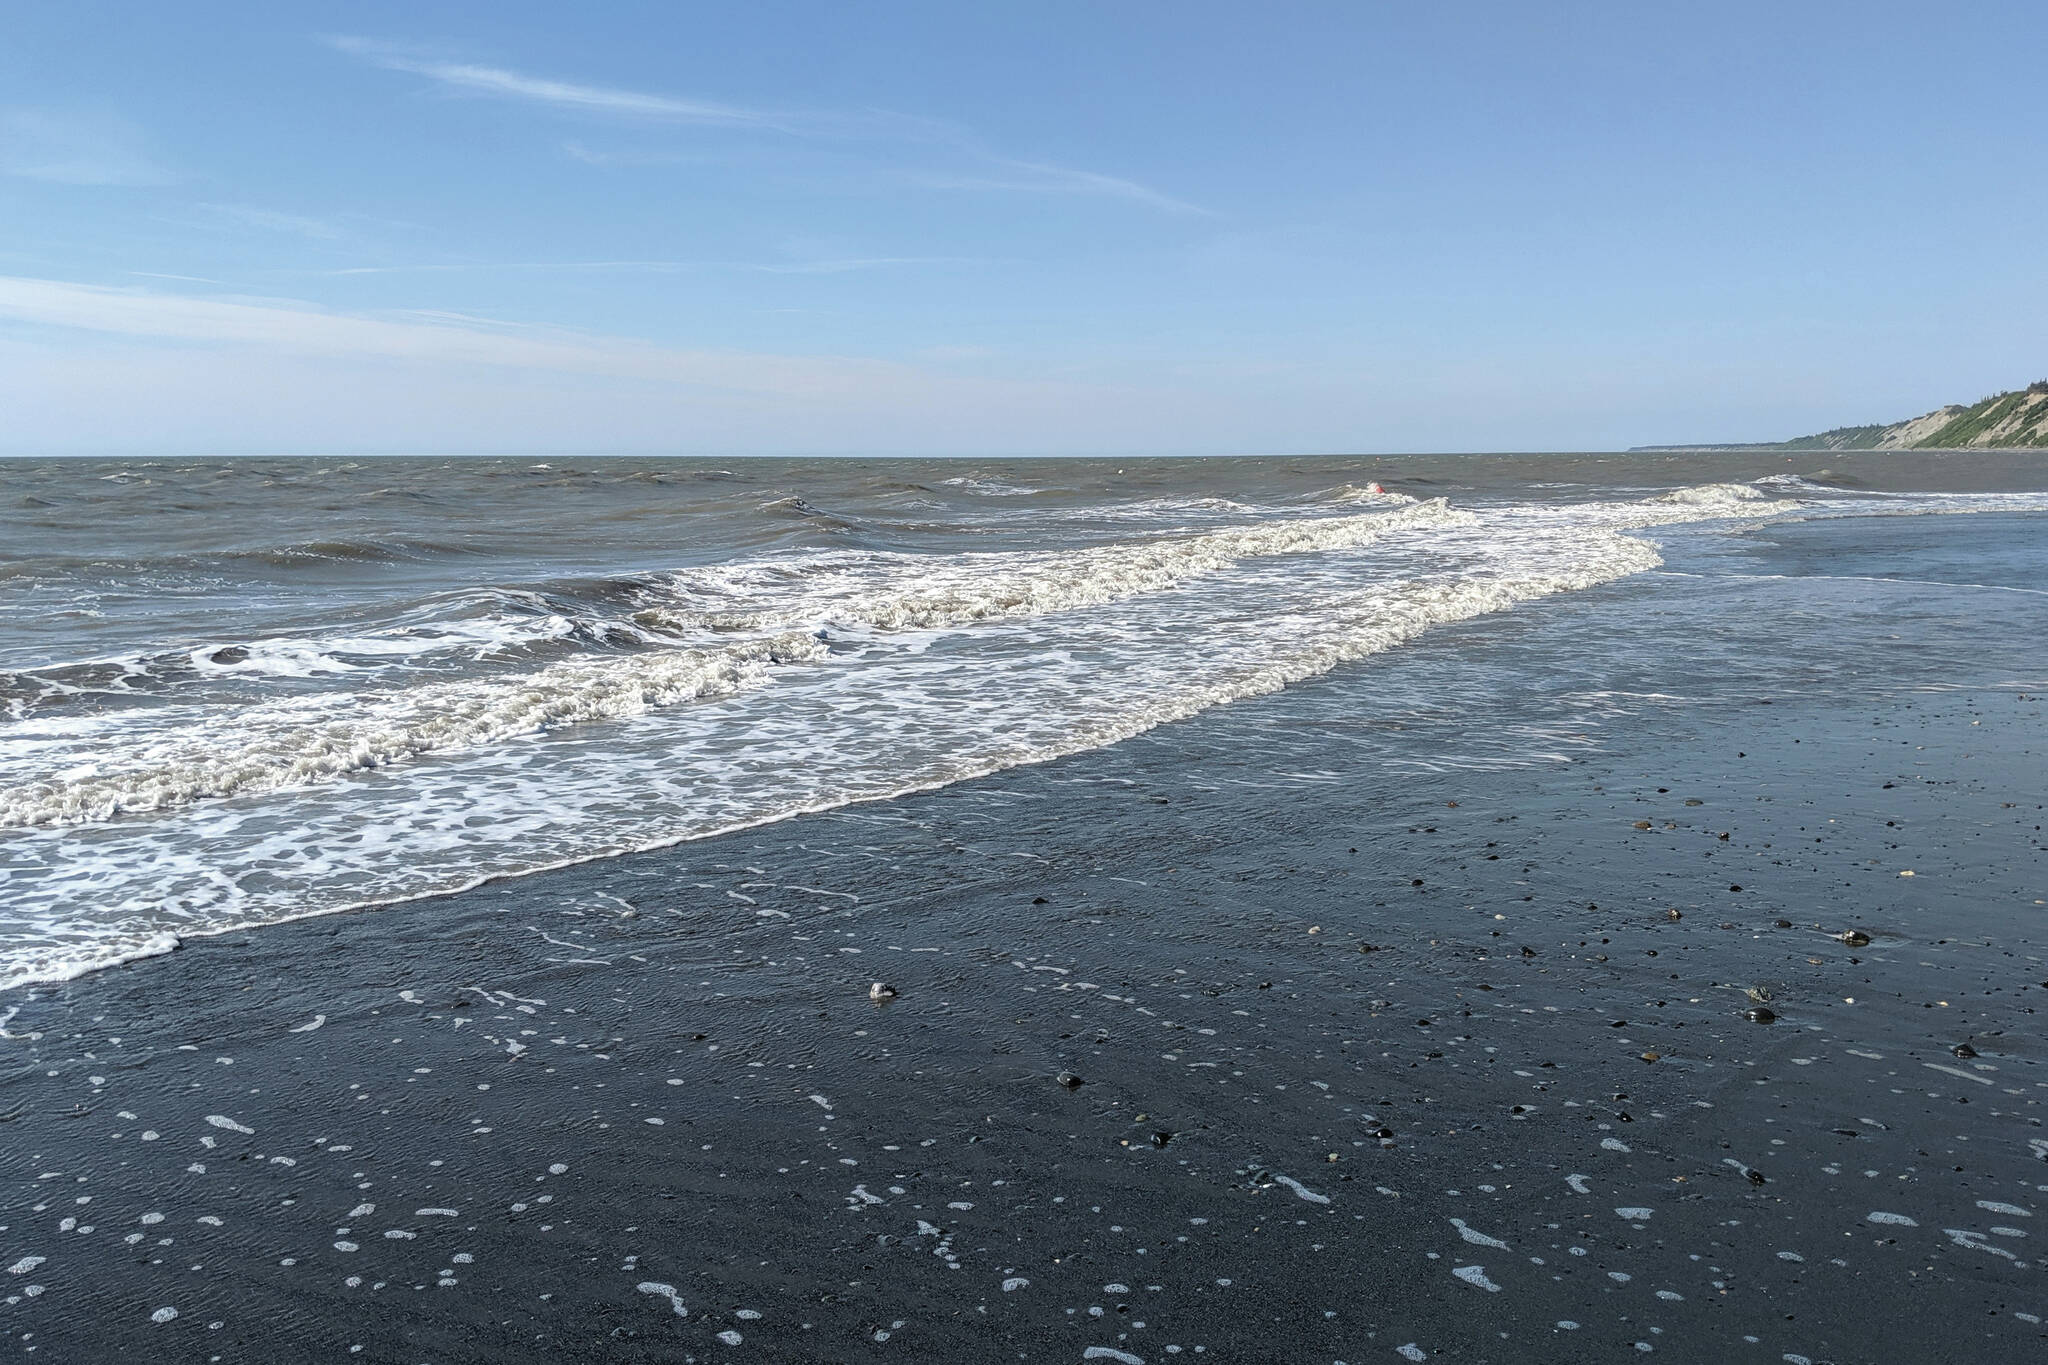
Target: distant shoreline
1793,449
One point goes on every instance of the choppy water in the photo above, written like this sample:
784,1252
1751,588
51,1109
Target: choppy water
237,692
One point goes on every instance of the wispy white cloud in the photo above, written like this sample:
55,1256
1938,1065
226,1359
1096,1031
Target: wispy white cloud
86,368
75,148
994,171
594,156
1037,178
474,79
269,220
276,325
834,266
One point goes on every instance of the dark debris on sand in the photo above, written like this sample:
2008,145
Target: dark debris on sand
425,1133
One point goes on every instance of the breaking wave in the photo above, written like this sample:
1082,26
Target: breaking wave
919,592
295,743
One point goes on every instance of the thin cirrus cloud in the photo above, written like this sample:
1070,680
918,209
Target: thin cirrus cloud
247,216
293,327
822,267
471,78
69,147
1037,178
997,172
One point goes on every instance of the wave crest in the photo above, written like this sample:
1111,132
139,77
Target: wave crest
292,744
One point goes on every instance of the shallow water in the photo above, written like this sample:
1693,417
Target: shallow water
239,692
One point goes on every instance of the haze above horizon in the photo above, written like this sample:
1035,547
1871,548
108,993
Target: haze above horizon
1197,228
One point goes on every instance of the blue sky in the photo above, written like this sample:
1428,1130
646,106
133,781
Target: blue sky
945,228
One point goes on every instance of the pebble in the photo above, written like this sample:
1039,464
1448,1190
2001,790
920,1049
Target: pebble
1759,1015
1069,1080
881,990
1855,938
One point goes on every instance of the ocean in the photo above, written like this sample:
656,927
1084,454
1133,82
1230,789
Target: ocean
243,691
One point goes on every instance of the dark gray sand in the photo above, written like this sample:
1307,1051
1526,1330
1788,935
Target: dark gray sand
1385,1050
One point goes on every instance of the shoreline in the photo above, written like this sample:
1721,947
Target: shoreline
158,916
1199,961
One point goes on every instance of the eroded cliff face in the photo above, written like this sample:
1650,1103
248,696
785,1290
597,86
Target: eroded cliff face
2007,420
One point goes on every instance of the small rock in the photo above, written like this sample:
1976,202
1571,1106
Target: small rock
1642,824
1758,993
1855,938
1069,1080
1781,924
1760,1015
1653,1056
1694,801
1673,914
1963,1050
881,990
1161,1138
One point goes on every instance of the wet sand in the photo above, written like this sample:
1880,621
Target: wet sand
1451,1067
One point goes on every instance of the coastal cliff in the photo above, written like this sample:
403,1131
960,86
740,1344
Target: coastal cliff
2013,420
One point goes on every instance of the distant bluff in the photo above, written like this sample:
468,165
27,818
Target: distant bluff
2014,420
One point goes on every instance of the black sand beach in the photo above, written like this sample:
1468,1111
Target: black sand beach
1386,1046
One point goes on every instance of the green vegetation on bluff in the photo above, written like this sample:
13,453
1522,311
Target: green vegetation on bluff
2014,420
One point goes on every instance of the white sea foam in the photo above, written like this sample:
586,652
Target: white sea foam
297,742
922,592
1714,496
292,743
935,667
